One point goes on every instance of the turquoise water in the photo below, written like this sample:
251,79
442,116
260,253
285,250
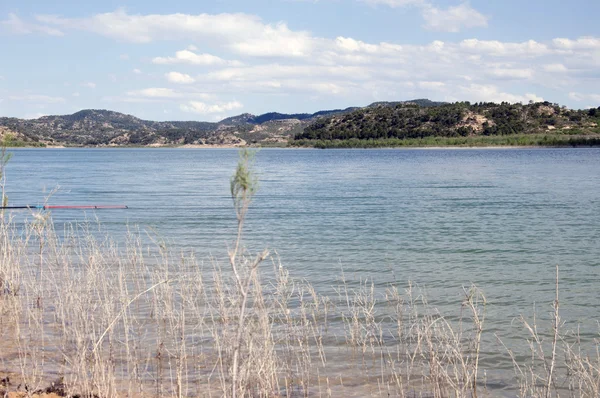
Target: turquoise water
443,218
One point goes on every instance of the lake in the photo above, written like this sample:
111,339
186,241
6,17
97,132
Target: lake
501,219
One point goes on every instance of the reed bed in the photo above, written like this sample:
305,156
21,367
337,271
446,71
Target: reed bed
83,316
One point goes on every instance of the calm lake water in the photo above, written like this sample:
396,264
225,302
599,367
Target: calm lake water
501,218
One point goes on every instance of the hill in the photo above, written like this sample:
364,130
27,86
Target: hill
415,122
91,127
97,127
410,123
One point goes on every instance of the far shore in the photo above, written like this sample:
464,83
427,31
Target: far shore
192,146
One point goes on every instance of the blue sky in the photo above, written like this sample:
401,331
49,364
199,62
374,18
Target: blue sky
198,60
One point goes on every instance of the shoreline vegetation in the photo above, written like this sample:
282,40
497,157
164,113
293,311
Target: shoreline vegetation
515,141
518,140
84,316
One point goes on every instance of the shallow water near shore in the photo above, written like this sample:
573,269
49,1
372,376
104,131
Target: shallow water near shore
445,219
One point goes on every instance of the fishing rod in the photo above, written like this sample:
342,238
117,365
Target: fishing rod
49,207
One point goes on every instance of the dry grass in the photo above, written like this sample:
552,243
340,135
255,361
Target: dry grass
83,316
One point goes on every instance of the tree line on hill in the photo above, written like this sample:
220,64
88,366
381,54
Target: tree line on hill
460,119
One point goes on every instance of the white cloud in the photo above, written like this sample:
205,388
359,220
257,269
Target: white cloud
327,88
584,97
555,68
76,94
491,93
362,70
508,73
258,86
136,71
176,77
160,94
432,85
276,41
351,45
242,33
203,108
582,43
189,57
46,99
318,87
351,67
530,48
16,25
34,115
453,19
155,92
124,56
341,65
274,71
89,85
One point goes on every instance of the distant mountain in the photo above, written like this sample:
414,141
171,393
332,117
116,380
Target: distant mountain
248,118
244,118
425,103
267,117
92,127
99,127
379,120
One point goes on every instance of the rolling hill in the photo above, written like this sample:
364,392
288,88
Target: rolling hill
378,124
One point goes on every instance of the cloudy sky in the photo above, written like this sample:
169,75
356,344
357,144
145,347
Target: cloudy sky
205,60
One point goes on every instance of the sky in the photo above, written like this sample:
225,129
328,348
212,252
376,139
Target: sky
207,60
